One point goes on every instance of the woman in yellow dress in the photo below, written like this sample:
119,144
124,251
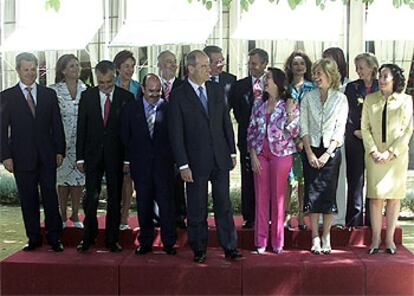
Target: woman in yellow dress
386,126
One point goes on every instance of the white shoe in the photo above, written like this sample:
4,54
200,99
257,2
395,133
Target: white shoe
78,224
326,245
63,225
123,227
261,250
277,250
316,245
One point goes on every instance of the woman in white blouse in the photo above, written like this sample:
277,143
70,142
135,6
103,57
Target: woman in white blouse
70,180
323,115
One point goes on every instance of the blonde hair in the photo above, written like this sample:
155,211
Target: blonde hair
371,60
330,68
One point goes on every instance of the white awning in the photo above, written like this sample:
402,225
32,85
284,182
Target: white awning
72,27
385,22
271,21
160,22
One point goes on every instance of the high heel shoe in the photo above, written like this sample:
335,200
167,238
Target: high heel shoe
316,245
373,250
391,251
326,246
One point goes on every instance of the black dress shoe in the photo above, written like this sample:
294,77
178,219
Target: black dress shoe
232,254
83,246
57,246
200,257
114,247
181,224
142,250
170,250
30,246
248,224
373,251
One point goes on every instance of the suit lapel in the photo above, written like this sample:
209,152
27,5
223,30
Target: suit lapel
142,119
22,99
194,99
97,102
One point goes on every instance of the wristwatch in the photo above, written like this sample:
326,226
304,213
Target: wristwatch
331,154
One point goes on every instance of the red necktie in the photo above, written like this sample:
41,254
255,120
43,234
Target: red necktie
167,90
257,89
30,101
107,108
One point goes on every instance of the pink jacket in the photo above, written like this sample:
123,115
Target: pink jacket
279,134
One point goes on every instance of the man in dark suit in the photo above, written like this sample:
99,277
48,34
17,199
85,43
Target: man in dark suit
32,147
99,151
217,62
167,65
203,143
242,96
144,131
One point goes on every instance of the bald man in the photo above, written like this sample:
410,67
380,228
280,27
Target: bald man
144,133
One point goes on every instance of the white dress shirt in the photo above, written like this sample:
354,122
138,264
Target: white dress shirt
33,91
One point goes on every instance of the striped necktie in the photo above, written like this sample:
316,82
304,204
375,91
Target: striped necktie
167,90
151,112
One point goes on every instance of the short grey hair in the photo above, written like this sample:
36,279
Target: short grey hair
163,53
26,56
191,58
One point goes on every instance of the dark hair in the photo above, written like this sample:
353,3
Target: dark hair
279,78
288,65
26,56
121,57
263,55
61,65
338,56
144,80
398,77
210,49
104,67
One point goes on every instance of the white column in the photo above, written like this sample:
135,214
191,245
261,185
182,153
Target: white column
355,34
107,28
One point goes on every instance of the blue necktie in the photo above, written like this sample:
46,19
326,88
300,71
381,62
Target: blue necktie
203,98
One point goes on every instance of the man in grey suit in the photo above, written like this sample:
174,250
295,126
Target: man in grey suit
217,62
203,144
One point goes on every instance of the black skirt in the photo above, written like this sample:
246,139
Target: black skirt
321,184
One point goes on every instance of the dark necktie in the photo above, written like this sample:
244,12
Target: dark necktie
107,108
203,98
384,122
30,101
213,79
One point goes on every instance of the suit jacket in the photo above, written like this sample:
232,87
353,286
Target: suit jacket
226,81
356,93
177,83
148,156
28,140
241,101
201,140
93,138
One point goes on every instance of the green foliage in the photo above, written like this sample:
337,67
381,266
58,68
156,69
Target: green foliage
8,189
52,4
244,4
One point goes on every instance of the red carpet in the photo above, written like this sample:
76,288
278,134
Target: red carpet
293,238
349,270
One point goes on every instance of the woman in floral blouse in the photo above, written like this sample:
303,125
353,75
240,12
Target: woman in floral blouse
270,137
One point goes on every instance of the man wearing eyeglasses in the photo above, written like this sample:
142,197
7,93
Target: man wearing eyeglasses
217,63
